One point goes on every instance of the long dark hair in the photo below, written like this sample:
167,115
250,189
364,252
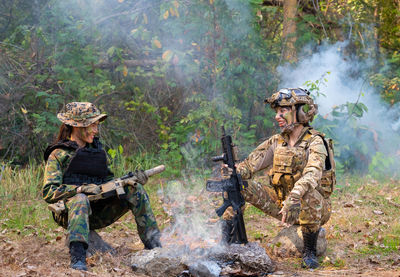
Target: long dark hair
64,132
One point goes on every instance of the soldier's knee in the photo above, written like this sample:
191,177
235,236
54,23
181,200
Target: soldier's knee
80,199
310,228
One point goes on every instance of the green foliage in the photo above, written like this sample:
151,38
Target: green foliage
379,165
352,140
170,73
387,80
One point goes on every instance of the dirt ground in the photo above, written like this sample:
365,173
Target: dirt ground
35,256
362,236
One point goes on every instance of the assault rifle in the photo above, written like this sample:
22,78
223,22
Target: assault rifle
233,187
109,189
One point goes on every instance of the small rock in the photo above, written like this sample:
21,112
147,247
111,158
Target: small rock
289,242
205,269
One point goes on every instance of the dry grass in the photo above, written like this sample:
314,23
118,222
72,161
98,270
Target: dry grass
363,232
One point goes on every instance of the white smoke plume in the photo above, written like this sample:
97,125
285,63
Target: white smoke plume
346,83
191,208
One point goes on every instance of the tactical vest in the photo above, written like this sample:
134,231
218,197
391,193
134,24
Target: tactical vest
88,164
289,163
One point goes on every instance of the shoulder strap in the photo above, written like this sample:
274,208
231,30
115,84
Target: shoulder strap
64,144
329,161
280,141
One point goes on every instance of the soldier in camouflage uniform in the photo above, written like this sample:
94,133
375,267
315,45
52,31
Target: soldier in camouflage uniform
301,171
75,165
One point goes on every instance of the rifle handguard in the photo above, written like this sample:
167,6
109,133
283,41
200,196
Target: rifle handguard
115,187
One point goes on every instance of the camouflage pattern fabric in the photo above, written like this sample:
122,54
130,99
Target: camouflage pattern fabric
82,216
80,114
291,169
53,188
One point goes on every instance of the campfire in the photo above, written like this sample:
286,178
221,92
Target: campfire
191,245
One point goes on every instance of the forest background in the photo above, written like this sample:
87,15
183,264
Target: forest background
169,74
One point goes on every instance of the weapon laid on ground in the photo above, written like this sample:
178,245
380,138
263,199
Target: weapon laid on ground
111,188
233,187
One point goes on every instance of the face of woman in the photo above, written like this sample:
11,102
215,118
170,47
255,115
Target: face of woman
283,116
87,134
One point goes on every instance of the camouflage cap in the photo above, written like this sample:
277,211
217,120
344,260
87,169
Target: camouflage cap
80,114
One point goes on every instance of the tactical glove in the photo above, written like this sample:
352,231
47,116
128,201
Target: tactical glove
141,176
290,211
226,171
89,189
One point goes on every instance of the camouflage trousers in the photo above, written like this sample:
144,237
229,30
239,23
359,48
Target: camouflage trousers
82,216
315,210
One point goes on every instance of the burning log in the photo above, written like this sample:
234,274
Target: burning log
232,260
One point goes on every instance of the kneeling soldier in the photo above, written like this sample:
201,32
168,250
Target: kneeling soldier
301,171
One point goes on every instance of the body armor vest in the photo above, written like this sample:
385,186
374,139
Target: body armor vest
87,166
289,163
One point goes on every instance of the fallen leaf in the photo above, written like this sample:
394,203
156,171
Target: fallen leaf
377,212
167,55
125,71
374,259
348,205
157,43
166,15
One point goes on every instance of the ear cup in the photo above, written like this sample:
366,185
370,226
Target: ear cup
306,112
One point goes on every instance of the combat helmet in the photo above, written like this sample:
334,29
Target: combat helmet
298,99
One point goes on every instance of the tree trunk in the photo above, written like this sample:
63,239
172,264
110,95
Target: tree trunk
377,38
289,30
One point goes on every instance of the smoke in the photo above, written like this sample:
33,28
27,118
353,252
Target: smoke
342,79
329,63
194,222
150,30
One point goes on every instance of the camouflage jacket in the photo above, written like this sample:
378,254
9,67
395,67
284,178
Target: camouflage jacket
53,188
308,161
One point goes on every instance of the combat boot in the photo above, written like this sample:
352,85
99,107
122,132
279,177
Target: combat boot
152,239
227,228
310,250
77,250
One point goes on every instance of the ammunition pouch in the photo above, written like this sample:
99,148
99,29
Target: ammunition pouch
328,182
328,179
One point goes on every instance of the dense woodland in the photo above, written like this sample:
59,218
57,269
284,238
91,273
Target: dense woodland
169,73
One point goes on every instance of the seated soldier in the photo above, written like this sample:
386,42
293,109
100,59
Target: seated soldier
76,165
